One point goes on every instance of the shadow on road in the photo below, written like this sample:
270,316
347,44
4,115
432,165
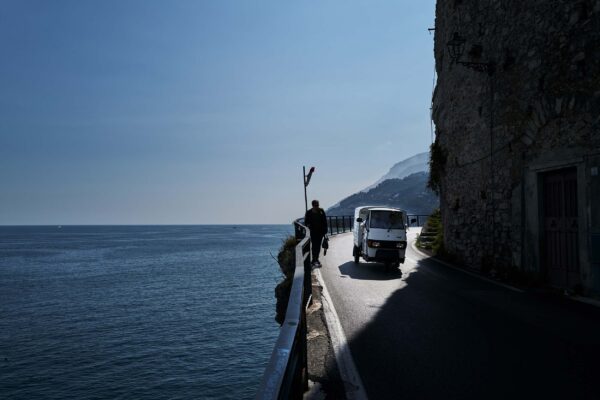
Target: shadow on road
369,271
448,335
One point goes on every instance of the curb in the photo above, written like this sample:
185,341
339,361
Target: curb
352,383
581,299
464,271
323,372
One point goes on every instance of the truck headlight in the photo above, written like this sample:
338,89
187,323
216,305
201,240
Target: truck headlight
401,245
372,243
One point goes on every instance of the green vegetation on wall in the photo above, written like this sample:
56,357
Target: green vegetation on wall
432,235
437,165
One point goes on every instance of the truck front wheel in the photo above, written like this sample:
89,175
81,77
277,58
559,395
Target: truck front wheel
356,254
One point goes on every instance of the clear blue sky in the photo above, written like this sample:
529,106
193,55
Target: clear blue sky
142,112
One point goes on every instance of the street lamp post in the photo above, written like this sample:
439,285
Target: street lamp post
306,180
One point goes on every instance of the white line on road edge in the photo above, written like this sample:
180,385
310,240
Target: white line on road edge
586,300
352,383
414,247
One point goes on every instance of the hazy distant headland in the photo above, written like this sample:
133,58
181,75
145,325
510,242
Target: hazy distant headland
404,186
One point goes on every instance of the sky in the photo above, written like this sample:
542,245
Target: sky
204,112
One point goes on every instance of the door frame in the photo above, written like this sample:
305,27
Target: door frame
530,215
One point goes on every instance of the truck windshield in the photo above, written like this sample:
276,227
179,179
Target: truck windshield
387,220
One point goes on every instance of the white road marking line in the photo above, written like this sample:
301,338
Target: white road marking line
586,300
352,383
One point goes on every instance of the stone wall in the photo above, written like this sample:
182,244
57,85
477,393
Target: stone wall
541,101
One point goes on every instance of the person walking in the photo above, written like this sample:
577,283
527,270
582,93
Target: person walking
316,221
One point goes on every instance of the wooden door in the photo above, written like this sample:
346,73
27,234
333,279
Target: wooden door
560,246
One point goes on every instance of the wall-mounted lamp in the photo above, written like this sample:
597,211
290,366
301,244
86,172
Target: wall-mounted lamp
456,48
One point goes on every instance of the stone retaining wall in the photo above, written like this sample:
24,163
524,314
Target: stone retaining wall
540,105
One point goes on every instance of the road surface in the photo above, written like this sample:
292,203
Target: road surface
428,331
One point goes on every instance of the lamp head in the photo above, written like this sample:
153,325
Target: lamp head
456,46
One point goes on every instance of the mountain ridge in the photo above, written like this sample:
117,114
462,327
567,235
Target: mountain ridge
404,168
404,186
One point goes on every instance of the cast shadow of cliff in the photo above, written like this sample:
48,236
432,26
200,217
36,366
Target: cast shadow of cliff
448,335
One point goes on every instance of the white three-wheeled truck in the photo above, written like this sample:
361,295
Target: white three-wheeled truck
380,235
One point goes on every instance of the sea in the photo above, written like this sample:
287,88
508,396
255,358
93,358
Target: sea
137,312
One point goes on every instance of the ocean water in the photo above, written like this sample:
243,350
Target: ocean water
136,312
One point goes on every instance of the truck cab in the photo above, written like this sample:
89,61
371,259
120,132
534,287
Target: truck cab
380,235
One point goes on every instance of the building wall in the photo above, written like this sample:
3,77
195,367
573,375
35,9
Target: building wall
538,111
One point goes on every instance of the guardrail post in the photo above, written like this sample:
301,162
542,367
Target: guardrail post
299,231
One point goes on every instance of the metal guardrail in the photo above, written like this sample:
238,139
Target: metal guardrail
419,219
286,375
340,224
336,224
345,223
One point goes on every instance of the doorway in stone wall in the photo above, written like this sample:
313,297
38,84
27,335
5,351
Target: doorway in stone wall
560,245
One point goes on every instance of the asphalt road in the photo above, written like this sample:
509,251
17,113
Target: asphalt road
428,331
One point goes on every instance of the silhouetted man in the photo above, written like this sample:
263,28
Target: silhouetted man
316,221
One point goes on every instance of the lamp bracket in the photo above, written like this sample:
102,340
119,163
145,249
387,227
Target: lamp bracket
477,66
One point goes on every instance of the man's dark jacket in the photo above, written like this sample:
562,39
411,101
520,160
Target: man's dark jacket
316,221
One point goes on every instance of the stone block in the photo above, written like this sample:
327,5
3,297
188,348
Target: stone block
558,105
540,112
534,63
578,57
574,18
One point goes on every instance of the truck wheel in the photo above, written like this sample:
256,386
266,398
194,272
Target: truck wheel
356,255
